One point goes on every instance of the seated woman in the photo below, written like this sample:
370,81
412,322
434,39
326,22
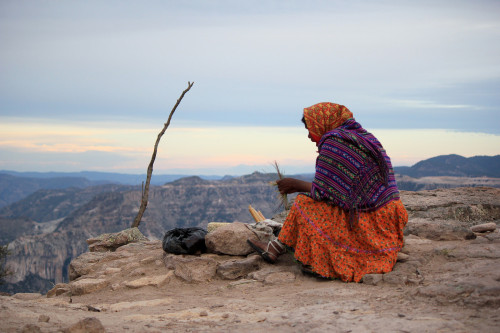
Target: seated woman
349,221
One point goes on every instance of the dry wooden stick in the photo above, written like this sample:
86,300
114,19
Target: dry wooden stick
145,193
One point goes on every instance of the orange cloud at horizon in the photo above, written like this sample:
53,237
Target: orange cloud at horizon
211,147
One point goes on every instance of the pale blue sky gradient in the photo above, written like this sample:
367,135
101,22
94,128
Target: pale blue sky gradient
87,85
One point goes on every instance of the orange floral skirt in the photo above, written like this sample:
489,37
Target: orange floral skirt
320,235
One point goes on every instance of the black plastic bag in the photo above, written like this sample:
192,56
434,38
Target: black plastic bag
185,240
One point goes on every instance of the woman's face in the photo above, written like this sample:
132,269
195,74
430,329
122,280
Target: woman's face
310,136
308,132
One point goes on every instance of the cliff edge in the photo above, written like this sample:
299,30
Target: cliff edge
447,278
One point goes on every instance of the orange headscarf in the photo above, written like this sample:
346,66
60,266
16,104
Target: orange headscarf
324,117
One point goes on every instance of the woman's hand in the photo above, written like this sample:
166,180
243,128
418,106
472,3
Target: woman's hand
292,185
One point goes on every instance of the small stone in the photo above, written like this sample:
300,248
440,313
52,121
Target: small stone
394,278
43,318
400,315
416,240
93,309
88,325
31,328
242,282
372,279
147,261
203,313
470,235
138,272
115,286
112,270
225,315
480,240
279,277
485,227
402,257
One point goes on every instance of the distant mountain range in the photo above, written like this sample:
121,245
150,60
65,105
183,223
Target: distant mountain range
46,219
105,177
15,186
454,166
49,227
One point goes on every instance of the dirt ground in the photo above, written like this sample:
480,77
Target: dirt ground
443,286
447,279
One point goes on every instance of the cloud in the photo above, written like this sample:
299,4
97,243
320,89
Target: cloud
252,65
96,76
127,147
429,105
407,147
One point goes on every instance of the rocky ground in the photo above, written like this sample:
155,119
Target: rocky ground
447,279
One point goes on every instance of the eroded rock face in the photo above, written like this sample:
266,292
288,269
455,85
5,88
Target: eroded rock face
235,269
449,214
437,261
442,281
437,214
83,264
192,268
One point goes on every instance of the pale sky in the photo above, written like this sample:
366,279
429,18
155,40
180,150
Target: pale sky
87,85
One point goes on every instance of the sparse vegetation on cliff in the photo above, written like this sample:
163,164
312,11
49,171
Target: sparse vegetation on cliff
4,252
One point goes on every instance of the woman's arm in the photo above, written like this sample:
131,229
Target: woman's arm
292,185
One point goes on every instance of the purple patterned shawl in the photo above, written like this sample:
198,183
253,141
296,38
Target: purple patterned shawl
353,171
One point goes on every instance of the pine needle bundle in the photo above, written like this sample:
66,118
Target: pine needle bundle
283,197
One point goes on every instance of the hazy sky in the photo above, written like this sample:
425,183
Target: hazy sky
87,85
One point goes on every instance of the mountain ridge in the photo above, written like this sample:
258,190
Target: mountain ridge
455,166
50,227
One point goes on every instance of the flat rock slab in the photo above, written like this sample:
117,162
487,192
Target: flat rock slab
230,239
153,281
191,268
59,289
87,286
234,269
485,227
110,242
27,296
125,306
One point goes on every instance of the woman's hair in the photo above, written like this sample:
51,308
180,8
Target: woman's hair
304,121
